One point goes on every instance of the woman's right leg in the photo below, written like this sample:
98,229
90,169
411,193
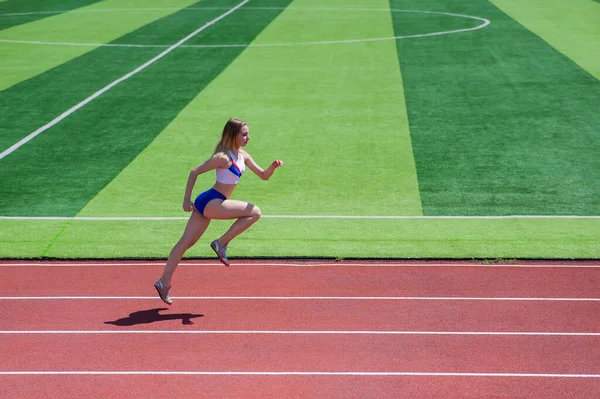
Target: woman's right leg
196,226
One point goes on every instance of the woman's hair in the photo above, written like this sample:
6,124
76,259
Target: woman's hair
232,128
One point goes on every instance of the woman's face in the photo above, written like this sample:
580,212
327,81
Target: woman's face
243,136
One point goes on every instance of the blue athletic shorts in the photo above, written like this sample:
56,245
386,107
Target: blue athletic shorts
205,198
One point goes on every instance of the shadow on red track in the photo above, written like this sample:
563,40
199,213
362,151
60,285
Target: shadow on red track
153,316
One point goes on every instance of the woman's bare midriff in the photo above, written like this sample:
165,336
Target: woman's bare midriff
225,189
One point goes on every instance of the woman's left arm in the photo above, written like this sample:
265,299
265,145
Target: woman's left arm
264,174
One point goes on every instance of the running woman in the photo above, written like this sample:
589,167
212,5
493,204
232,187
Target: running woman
229,161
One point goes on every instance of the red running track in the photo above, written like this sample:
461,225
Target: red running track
402,330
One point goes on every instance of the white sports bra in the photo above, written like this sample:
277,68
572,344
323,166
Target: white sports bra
234,172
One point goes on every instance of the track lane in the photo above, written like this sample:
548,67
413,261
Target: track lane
302,353
300,387
294,314
304,281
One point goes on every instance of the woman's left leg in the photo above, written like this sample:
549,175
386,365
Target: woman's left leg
246,214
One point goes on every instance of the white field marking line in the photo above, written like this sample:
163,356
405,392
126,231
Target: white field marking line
485,23
307,373
298,332
306,298
324,264
174,218
116,82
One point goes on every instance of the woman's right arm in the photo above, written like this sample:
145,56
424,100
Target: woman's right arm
216,161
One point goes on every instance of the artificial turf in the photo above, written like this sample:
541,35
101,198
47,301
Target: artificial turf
489,122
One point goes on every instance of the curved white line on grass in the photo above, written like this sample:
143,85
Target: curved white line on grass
485,22
174,218
307,373
47,126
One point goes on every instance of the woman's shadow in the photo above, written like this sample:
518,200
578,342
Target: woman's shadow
152,316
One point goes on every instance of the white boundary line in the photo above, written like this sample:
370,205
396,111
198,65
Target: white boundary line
302,332
306,373
370,263
47,126
174,218
305,298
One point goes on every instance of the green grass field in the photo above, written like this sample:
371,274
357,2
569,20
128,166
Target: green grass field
410,129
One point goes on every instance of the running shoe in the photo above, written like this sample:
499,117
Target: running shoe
163,292
221,252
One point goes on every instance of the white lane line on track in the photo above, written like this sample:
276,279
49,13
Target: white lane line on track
383,263
304,332
304,298
307,373
65,114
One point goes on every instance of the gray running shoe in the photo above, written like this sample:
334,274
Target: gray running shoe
221,252
163,292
